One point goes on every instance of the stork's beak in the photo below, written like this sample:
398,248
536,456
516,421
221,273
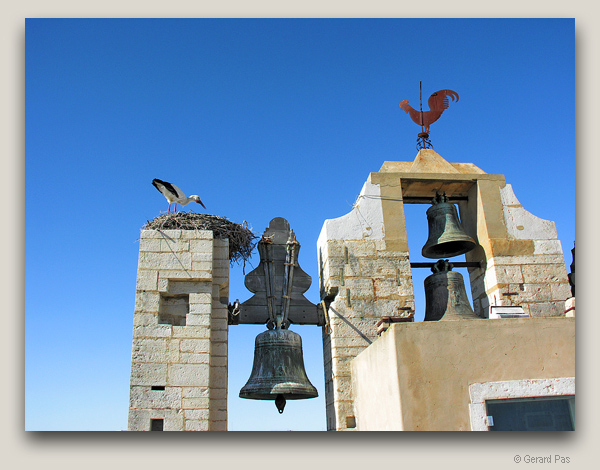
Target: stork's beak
200,202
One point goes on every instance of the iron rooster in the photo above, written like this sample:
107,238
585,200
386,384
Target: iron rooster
438,102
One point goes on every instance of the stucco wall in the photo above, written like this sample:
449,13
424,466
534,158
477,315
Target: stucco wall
431,365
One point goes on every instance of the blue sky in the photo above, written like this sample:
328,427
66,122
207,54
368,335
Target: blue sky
262,119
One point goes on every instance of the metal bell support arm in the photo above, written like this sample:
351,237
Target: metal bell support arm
264,246
290,264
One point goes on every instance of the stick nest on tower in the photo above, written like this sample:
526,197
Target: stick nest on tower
241,238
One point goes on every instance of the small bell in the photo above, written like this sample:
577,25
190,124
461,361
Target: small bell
278,370
445,295
446,235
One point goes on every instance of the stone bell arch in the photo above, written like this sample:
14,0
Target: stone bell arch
365,264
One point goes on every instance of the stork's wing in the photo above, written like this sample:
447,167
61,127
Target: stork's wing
163,186
176,190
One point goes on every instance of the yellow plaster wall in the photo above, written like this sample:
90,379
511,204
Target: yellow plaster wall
435,362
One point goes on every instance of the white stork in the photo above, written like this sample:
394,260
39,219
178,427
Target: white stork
174,194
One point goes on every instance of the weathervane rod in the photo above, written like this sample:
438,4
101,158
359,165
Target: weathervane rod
421,102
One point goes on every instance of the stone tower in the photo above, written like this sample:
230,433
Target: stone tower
179,354
365,266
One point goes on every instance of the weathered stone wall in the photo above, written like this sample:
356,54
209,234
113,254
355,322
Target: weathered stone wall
180,332
523,262
371,280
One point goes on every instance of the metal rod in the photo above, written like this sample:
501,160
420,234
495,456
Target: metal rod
457,264
427,200
291,262
268,266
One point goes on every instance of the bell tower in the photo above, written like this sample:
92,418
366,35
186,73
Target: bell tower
365,266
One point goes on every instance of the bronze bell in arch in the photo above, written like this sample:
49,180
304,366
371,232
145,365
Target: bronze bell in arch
446,235
445,295
278,370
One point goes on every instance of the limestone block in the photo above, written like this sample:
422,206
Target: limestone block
193,425
546,309
144,397
179,244
172,355
361,249
344,409
167,261
159,234
194,392
150,244
147,280
195,403
184,274
198,319
532,293
200,309
143,373
219,425
138,420
194,346
145,319
219,336
360,288
205,256
547,247
191,332
188,375
560,291
216,406
218,377
218,361
173,420
149,350
544,273
351,326
153,331
343,353
194,358
352,341
218,349
386,288
147,302
218,393
200,414
203,266
196,234
510,274
525,259
219,324
201,246
198,291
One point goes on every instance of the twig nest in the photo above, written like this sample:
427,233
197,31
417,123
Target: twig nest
241,238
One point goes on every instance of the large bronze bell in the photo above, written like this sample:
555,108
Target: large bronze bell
278,370
445,295
446,236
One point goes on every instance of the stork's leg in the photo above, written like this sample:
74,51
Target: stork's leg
175,207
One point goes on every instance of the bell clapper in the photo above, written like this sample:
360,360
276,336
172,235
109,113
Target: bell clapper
280,403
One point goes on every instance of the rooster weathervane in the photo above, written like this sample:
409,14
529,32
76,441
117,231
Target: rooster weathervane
438,102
